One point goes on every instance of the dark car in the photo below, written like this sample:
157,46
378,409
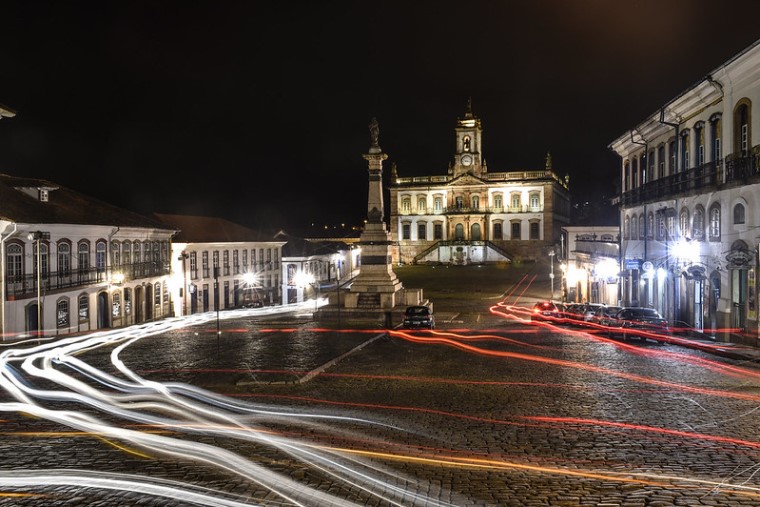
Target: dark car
418,316
641,322
546,310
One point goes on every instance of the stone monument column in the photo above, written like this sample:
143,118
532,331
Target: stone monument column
376,285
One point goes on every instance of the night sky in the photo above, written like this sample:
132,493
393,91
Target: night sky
257,112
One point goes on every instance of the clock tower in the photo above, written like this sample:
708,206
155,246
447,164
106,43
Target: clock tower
469,134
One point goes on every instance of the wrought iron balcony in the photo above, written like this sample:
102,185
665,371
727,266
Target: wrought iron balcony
25,286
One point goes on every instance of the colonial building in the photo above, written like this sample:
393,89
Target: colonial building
316,267
471,215
690,203
70,263
219,265
590,264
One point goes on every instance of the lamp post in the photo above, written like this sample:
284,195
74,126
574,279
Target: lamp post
551,274
39,236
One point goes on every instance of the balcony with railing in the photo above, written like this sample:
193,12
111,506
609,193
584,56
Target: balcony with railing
25,286
734,170
492,209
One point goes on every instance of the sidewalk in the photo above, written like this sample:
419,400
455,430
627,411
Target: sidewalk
723,349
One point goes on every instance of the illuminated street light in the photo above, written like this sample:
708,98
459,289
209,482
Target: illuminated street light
551,274
685,252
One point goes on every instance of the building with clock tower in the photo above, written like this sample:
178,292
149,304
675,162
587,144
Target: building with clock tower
471,215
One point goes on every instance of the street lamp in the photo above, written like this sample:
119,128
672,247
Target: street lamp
39,236
551,274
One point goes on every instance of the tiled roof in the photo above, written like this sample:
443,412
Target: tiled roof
65,206
196,229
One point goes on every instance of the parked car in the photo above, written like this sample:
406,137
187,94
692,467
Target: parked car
575,311
592,312
638,321
607,315
417,317
546,310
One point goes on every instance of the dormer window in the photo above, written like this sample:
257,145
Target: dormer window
44,195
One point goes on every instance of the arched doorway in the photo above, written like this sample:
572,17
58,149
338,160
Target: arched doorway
138,304
148,302
459,232
475,232
103,320
32,324
740,260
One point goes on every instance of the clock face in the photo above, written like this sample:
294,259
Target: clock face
466,160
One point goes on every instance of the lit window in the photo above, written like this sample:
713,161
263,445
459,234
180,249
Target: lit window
62,313
84,308
715,222
698,224
683,223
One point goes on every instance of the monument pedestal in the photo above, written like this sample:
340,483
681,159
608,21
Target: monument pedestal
376,293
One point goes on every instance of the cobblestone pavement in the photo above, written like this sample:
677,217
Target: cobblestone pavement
494,411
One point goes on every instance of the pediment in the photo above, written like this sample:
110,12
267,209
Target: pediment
466,179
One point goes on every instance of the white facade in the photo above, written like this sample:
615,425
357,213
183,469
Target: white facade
689,203
91,277
472,215
589,267
246,273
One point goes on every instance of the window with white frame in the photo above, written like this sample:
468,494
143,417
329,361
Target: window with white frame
126,251
715,222
715,133
497,201
535,201
62,313
84,308
515,200
406,205
698,224
421,204
64,259
438,204
683,223
115,254
14,262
